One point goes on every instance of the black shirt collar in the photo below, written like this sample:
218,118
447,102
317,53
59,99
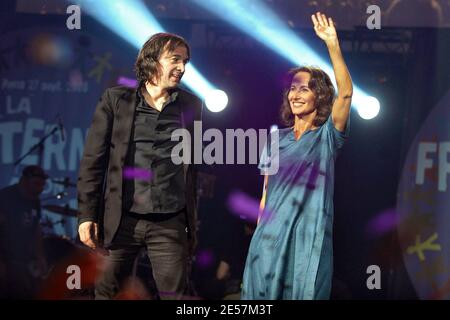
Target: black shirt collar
173,94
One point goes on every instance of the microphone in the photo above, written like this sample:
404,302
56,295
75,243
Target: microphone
61,129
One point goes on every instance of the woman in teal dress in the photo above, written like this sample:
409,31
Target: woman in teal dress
291,252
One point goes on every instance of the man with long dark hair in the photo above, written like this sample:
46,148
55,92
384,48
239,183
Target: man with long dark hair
149,201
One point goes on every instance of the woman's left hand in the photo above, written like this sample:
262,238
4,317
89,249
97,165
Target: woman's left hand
324,27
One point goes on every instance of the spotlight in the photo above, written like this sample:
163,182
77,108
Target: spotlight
216,100
368,107
273,128
132,21
276,35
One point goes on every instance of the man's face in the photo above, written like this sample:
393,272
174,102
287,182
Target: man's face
172,66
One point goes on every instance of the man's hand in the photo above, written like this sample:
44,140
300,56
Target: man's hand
88,232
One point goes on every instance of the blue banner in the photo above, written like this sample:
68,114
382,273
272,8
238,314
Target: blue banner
51,77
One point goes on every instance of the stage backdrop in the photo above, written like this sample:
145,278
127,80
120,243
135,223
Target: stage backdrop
424,203
50,75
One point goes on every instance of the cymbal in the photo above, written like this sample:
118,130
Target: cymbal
66,182
66,210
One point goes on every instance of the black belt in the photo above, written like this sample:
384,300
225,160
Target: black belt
155,217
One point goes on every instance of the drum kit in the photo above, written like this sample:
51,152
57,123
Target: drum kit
55,280
63,212
61,252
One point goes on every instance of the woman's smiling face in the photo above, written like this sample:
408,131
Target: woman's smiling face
301,98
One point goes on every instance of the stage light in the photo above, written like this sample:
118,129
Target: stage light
132,20
273,128
127,82
216,100
369,107
257,20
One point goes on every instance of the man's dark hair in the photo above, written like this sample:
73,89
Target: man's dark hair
146,65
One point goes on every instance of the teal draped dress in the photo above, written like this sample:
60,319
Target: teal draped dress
291,253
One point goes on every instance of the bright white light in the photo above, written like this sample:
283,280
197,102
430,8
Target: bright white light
273,128
129,19
368,107
275,34
216,100
196,81
132,21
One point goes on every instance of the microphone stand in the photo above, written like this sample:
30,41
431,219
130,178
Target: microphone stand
39,146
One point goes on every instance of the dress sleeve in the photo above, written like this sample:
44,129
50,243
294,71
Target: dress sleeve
336,138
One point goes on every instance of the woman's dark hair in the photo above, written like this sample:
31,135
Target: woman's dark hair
147,64
323,90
